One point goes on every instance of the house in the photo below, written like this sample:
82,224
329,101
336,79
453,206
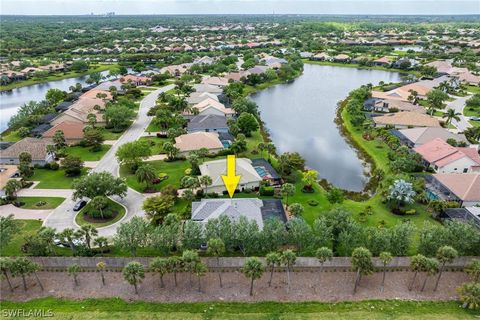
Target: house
390,105
64,106
204,60
257,70
466,215
444,158
341,58
37,148
108,84
416,137
208,123
199,87
72,131
197,97
187,143
237,76
210,106
320,57
40,129
97,94
405,120
249,177
216,81
136,80
382,62
251,208
464,188
402,93
79,111
267,172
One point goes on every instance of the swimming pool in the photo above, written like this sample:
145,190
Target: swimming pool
262,172
226,144
431,195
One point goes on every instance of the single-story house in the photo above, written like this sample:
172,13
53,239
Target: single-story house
249,177
201,87
136,80
382,62
416,137
444,158
64,106
411,62
266,171
464,188
204,60
341,58
197,97
406,120
322,56
47,118
252,208
72,131
403,92
210,106
40,129
257,70
216,81
389,105
36,147
466,215
79,111
207,123
187,143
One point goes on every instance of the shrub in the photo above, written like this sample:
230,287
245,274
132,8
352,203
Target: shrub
54,166
313,202
267,191
411,212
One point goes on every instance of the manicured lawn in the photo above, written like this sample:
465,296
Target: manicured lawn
33,202
153,127
80,220
11,136
115,308
471,113
86,154
27,228
175,171
157,147
110,135
473,89
53,179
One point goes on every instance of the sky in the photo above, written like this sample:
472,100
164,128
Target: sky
124,7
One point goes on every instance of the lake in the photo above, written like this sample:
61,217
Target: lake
300,117
10,101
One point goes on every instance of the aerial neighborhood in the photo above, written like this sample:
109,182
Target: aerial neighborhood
341,159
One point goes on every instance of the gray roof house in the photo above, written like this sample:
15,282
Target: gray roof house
207,123
467,215
416,137
252,208
36,147
199,87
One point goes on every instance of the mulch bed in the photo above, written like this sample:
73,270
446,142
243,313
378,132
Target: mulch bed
90,219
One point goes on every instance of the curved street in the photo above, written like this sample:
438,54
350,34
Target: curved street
64,217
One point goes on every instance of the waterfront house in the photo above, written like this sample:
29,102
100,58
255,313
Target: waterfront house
208,123
401,120
187,143
136,80
72,131
382,62
390,105
416,137
463,188
466,215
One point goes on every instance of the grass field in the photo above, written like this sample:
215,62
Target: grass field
53,179
27,227
119,309
86,154
32,202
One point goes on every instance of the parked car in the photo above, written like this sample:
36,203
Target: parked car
79,205
475,118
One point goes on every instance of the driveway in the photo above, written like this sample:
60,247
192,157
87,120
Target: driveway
64,217
19,213
458,104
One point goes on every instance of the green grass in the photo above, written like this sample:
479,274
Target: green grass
11,136
157,147
53,179
115,308
473,89
110,135
31,202
56,76
153,127
26,227
175,171
80,220
86,154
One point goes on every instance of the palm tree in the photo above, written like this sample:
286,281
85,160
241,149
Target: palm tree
101,243
88,232
469,294
101,267
69,235
261,147
11,188
253,269
386,258
450,115
445,254
287,190
190,258
362,262
200,269
473,269
133,273
323,255
431,268
5,268
289,259
23,267
175,264
413,97
273,259
146,174
160,266
205,181
416,265
216,248
270,147
73,271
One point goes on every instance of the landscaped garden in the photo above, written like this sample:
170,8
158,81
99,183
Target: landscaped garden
100,217
40,203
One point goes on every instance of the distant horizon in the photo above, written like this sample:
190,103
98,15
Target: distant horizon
242,14
241,7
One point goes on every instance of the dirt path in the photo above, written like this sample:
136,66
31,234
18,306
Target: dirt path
306,286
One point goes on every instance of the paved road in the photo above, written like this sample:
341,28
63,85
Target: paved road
458,104
63,216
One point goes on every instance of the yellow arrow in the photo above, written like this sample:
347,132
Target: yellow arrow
231,180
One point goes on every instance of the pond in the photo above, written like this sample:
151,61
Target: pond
409,48
300,117
10,101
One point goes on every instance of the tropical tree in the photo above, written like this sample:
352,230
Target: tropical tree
6,267
160,266
473,269
8,229
99,203
323,255
72,165
59,140
362,262
445,254
87,232
134,273
401,192
469,294
288,190
200,269
430,267
92,119
216,248
451,114
385,258
11,188
205,181
99,184
190,258
170,150
253,269
132,235
101,243
435,100
101,266
289,258
273,259
132,153
417,263
175,265
158,207
22,266
73,271
146,174
296,209
69,235
309,178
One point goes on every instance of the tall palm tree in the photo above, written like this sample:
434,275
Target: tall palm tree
73,271
216,248
274,259
416,265
445,254
205,181
69,235
101,267
430,267
88,232
160,266
134,273
253,269
190,258
386,258
23,267
146,174
175,264
362,262
323,255
200,269
5,268
289,259
451,114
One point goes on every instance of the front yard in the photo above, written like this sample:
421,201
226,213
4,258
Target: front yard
53,179
40,203
86,154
